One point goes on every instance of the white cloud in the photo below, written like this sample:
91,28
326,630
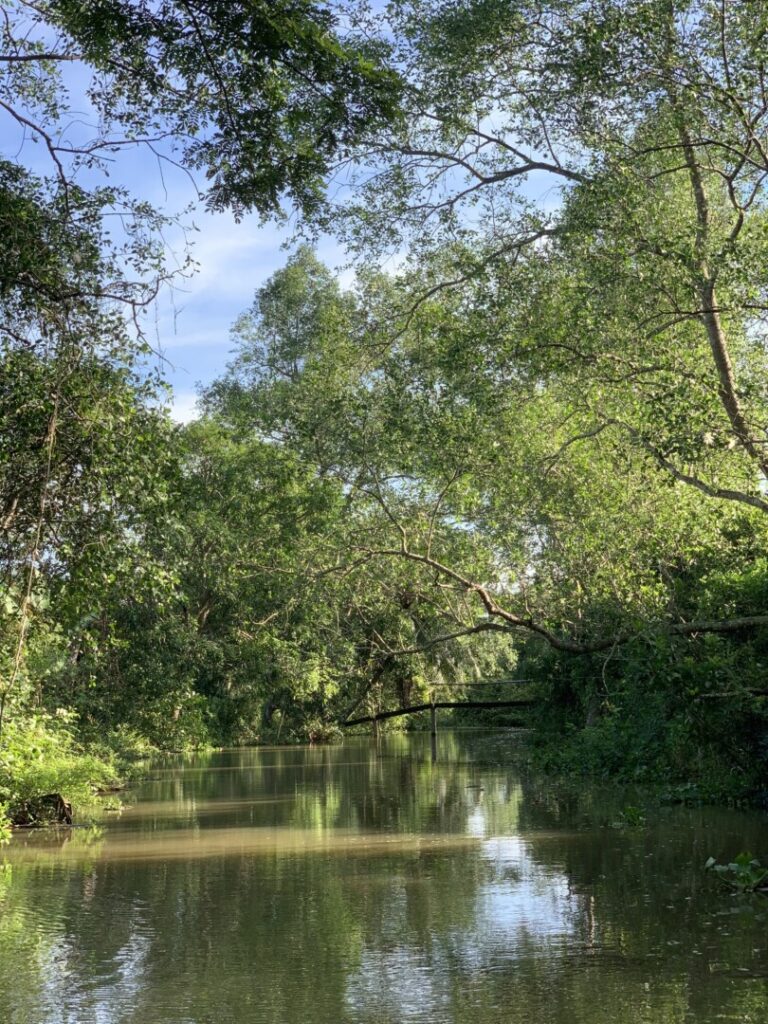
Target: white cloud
184,406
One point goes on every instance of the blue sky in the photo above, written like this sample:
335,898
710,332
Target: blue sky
189,325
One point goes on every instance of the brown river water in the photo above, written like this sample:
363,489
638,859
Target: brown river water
363,884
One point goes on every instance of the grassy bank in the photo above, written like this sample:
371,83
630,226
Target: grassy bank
41,757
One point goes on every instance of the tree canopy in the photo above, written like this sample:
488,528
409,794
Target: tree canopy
529,440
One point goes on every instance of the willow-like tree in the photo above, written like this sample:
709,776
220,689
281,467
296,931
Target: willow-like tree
589,181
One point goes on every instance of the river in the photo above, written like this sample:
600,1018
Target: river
362,884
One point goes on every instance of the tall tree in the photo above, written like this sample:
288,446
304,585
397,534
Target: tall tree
258,98
591,185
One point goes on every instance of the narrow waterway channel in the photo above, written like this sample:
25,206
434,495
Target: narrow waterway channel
362,884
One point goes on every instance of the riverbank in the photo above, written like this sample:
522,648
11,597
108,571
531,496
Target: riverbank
50,774
47,772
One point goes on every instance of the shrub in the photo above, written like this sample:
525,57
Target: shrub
39,756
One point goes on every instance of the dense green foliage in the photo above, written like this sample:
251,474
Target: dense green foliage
537,450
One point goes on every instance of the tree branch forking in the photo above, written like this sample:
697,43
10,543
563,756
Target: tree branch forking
503,620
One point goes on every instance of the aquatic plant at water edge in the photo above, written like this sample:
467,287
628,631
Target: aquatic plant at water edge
744,874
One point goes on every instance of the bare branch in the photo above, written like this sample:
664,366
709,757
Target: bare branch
511,622
21,58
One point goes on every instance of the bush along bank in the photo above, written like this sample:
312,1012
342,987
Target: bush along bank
49,777
689,717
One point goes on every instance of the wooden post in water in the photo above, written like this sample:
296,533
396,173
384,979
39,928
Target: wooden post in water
433,731
376,727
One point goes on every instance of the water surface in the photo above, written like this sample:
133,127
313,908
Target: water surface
362,884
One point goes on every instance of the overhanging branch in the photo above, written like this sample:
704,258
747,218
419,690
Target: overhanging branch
501,619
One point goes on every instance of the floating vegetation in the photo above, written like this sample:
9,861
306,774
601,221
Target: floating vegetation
744,874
